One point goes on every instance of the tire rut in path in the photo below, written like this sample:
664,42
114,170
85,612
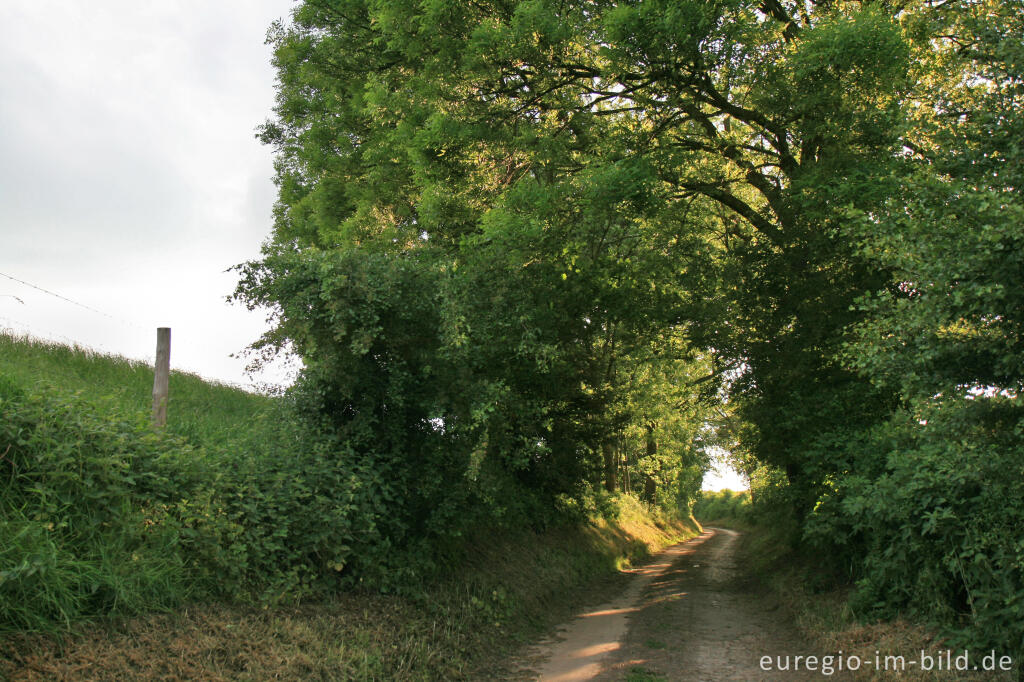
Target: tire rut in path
691,614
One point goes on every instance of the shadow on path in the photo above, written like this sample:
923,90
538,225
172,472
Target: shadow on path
691,614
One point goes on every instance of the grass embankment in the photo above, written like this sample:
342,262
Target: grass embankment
94,540
819,602
466,626
203,412
99,512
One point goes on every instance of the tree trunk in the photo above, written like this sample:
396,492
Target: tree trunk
608,450
650,487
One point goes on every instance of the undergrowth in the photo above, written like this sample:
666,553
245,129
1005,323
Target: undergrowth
820,600
274,550
502,593
100,514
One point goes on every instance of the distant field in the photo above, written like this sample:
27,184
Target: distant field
723,506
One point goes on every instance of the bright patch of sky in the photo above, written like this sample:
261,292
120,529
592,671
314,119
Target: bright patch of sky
130,178
722,475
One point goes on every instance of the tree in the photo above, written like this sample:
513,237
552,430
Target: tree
607,210
439,259
644,165
934,521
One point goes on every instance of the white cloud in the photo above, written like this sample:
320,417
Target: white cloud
130,178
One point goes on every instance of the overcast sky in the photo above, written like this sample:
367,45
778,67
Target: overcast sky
130,178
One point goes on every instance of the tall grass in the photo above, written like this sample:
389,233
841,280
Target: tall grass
96,508
202,411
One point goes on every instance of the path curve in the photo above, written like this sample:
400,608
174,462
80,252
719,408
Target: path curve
688,615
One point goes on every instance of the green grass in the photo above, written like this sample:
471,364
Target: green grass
510,589
140,554
202,411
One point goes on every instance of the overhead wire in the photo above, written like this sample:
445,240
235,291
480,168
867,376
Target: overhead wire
68,300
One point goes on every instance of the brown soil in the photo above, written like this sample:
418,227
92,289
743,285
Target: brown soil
692,614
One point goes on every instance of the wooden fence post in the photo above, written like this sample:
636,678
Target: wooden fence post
161,375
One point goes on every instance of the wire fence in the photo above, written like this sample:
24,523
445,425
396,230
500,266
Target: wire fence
67,300
17,325
137,343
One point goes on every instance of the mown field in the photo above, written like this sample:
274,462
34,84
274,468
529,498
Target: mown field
221,547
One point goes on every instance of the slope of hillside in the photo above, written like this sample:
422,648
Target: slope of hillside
203,411
220,546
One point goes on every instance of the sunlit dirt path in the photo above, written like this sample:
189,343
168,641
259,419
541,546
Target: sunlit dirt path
688,615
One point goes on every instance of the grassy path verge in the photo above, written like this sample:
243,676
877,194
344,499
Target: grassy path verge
818,605
464,627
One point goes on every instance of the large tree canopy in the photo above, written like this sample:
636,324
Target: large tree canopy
591,178
525,247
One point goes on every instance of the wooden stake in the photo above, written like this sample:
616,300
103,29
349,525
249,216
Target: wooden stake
161,375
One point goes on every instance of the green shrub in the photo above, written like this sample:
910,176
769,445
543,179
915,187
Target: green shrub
723,506
287,527
936,533
101,514
78,489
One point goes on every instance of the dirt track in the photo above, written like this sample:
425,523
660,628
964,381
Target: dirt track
691,614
